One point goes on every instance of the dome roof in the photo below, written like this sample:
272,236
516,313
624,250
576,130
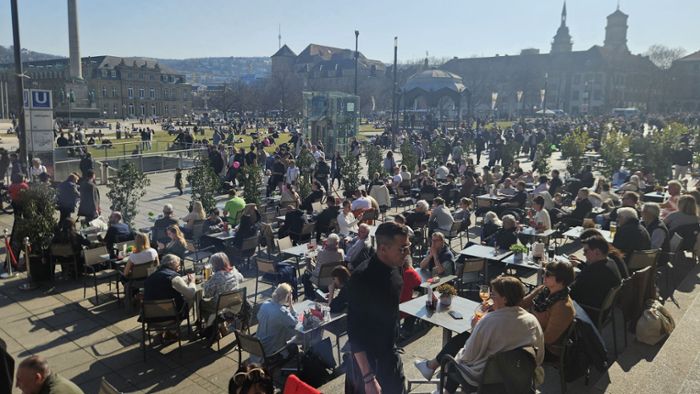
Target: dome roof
434,80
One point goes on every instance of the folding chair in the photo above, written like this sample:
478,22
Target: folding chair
95,259
159,316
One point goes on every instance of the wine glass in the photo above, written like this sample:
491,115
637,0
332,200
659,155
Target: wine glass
484,293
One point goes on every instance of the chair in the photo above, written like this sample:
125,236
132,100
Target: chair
427,196
247,249
633,294
316,207
455,231
265,267
510,372
471,271
159,316
324,278
606,312
252,345
107,388
198,229
642,258
93,258
305,234
564,346
159,235
65,254
136,279
284,243
403,198
229,305
268,235
668,259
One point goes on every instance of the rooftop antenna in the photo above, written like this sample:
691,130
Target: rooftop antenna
279,36
618,5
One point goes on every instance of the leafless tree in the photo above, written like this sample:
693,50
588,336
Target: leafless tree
663,56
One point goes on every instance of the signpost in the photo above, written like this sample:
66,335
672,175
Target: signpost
38,118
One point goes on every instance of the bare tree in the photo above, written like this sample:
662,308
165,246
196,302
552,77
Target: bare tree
663,56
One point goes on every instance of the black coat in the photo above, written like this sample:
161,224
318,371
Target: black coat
89,199
632,236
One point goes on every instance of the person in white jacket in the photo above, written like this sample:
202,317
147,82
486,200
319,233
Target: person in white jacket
381,194
505,328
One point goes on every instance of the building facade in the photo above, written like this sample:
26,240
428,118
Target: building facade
116,87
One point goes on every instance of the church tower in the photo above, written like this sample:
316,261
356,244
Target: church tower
562,40
616,31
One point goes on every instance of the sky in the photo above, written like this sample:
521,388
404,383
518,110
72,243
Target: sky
443,28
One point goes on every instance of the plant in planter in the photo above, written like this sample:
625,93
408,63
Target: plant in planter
37,224
447,291
351,174
519,250
374,159
409,158
205,184
251,183
126,189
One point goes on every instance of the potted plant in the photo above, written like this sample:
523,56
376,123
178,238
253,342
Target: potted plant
447,291
38,224
126,190
518,249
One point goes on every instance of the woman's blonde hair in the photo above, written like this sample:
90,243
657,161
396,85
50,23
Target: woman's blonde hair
687,205
179,236
198,209
141,242
492,217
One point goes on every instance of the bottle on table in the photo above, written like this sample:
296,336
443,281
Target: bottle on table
613,229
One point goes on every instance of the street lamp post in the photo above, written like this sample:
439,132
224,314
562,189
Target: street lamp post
395,101
544,97
19,75
357,34
519,96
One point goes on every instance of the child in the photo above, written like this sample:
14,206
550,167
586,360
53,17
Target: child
179,184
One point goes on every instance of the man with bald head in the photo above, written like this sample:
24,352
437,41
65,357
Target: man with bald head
34,376
360,248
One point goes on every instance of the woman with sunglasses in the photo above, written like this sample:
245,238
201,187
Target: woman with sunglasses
251,379
552,305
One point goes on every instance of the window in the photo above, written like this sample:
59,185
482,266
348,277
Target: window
167,111
152,77
128,75
575,95
104,91
152,94
114,109
114,92
130,92
131,109
114,73
141,76
184,94
153,109
105,73
142,93
166,93
143,110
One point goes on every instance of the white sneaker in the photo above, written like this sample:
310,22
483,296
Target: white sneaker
424,369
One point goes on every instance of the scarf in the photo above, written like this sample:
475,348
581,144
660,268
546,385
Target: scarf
544,299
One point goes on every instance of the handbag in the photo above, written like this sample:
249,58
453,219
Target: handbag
654,324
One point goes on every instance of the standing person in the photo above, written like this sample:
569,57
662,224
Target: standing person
374,292
89,198
67,196
337,169
179,183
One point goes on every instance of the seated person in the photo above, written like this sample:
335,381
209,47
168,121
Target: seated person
224,278
541,221
251,378
316,195
166,283
582,210
631,234
381,194
419,217
542,185
518,200
440,217
177,244
597,278
400,219
411,281
143,253
359,248
429,188
247,227
338,302
671,203
490,227
35,376
294,221
116,232
289,196
360,203
330,254
658,232
214,223
195,215
629,199
506,236
616,261
277,320
439,258
685,214
66,234
464,212
347,222
233,207
163,223
507,327
324,219
507,188
551,304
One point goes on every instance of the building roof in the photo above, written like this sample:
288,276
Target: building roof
323,57
693,57
284,51
433,81
105,61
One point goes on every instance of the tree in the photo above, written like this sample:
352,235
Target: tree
614,151
351,173
205,183
38,221
251,183
542,155
573,146
408,155
126,190
373,155
663,56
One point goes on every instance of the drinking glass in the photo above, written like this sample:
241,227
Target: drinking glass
484,293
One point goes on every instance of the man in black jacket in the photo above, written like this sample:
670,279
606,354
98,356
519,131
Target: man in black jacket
582,210
294,221
630,234
89,197
597,278
67,195
324,219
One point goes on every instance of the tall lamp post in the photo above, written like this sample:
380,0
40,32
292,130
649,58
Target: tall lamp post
19,75
357,34
519,96
395,101
543,97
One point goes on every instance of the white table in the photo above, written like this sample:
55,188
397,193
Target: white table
307,335
575,233
531,232
489,200
440,316
655,197
485,252
426,278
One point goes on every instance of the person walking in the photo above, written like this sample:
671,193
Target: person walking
89,197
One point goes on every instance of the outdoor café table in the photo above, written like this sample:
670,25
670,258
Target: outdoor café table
531,232
306,336
575,233
487,253
488,200
430,281
655,197
528,263
440,316
298,252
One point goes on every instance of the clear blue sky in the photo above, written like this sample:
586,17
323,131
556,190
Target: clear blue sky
445,28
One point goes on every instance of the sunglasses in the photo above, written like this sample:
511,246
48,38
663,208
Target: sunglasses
253,376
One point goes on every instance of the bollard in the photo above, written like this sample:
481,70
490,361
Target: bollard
9,273
29,284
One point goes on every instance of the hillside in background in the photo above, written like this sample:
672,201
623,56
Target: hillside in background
218,70
6,55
